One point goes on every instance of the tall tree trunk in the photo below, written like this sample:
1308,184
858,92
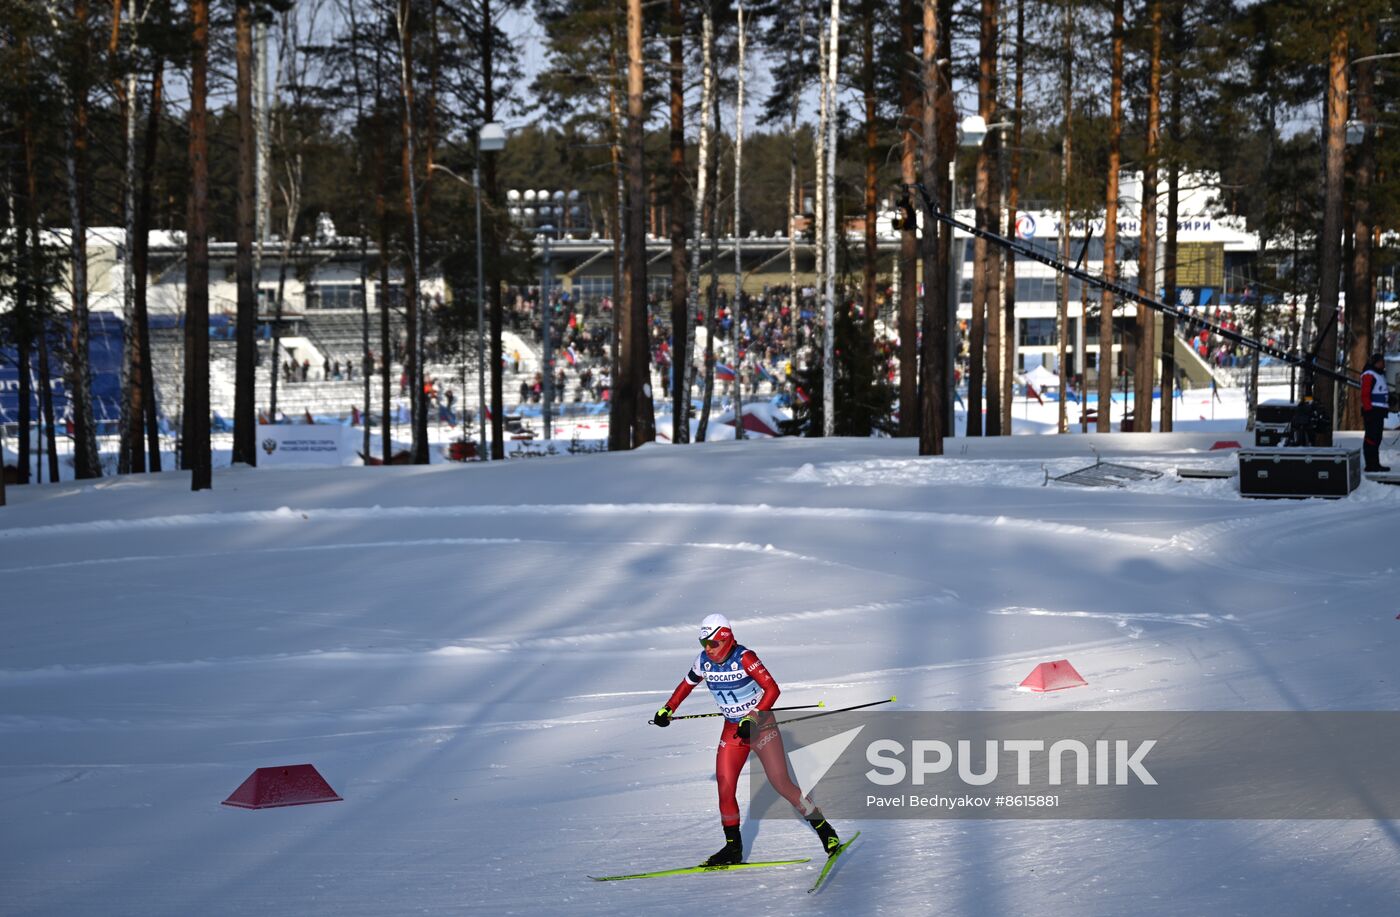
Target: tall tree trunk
24,343
680,314
30,302
1146,362
639,336
1010,341
1173,209
1104,423
362,230
989,204
1066,219
872,141
143,407
819,165
933,369
702,175
413,356
736,308
196,447
829,312
712,300
622,412
245,362
1361,290
1329,255
909,238
125,88
493,283
386,343
86,463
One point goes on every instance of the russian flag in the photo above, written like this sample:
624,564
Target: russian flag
571,355
724,372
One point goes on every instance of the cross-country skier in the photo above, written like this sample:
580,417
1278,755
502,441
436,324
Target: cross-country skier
744,692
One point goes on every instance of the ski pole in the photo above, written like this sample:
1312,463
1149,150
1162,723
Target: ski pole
874,703
701,716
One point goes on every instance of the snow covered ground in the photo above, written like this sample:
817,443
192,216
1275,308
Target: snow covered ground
470,653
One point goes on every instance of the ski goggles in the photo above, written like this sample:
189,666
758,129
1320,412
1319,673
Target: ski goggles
717,639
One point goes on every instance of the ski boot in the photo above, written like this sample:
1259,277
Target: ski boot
830,842
732,853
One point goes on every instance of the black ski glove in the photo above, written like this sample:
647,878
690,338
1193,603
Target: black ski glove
663,717
745,727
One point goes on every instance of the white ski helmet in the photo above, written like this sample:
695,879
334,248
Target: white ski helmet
715,628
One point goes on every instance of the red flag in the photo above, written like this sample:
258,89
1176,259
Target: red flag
1030,391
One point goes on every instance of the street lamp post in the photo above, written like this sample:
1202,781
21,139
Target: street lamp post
490,139
545,343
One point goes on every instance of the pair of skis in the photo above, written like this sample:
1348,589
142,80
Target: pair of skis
687,870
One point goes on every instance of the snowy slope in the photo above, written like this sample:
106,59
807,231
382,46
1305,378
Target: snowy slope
469,654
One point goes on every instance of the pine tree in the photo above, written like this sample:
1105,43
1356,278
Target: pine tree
865,397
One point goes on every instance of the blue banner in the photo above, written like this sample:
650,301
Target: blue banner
105,360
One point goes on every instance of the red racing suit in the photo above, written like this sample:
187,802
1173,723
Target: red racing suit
742,687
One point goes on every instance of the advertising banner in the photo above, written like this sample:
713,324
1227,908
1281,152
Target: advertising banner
285,444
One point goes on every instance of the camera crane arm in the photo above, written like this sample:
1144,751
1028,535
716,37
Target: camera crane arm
1308,362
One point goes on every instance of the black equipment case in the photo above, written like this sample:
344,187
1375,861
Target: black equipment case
1299,472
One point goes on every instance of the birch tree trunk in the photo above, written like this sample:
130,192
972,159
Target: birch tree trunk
702,202
829,310
736,308
711,300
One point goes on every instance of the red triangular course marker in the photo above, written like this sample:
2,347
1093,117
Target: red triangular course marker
1053,676
288,785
